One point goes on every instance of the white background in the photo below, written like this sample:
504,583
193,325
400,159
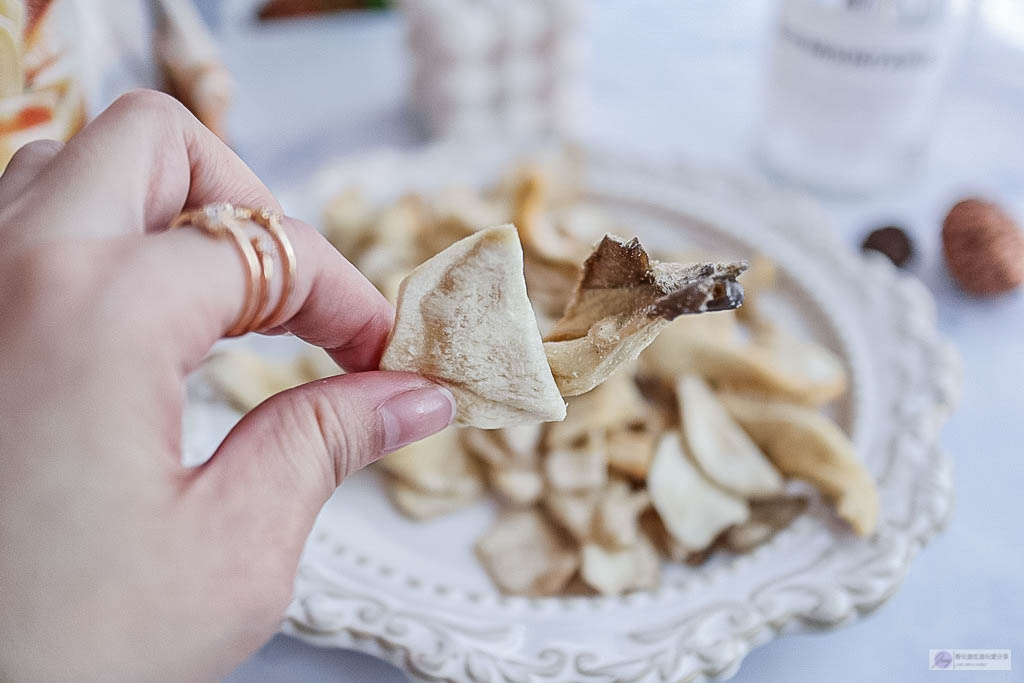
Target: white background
681,80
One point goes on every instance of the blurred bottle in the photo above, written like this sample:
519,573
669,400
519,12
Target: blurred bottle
853,89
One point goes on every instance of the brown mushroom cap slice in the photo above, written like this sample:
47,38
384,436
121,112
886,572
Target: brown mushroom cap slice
725,453
525,555
805,444
464,321
621,302
693,510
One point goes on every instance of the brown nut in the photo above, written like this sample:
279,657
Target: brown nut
984,248
892,241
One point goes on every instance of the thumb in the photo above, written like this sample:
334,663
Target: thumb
285,458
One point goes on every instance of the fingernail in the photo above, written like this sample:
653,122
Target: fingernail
415,415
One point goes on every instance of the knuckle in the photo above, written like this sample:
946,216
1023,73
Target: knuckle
149,103
35,152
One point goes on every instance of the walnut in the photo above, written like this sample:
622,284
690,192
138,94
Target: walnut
984,248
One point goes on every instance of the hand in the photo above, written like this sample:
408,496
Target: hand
115,561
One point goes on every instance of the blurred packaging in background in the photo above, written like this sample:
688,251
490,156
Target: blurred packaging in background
40,92
64,60
852,91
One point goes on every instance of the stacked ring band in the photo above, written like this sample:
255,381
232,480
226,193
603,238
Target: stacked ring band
226,221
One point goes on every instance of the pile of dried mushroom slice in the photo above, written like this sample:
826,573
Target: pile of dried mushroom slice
679,432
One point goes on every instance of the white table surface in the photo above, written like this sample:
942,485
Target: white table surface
681,80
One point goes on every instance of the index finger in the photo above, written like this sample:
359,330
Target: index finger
332,306
141,163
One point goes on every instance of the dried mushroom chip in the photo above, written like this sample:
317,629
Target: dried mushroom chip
486,445
379,264
552,258
578,587
518,486
717,327
509,447
463,320
400,225
805,444
608,406
821,371
315,364
774,364
437,464
419,505
693,510
541,237
630,449
617,571
246,378
458,212
616,522
655,530
759,278
621,302
348,222
577,469
525,555
767,517
725,453
522,441
574,512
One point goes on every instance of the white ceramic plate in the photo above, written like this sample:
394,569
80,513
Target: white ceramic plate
414,593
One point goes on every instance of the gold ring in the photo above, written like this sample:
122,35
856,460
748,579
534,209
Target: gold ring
272,223
225,220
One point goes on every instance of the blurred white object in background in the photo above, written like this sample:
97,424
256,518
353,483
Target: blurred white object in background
493,67
115,39
853,89
190,60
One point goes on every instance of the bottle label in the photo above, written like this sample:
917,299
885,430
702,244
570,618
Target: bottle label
846,81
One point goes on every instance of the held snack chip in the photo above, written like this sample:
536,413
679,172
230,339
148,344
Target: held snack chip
463,319
681,454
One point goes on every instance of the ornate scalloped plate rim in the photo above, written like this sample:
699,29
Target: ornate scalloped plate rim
414,640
